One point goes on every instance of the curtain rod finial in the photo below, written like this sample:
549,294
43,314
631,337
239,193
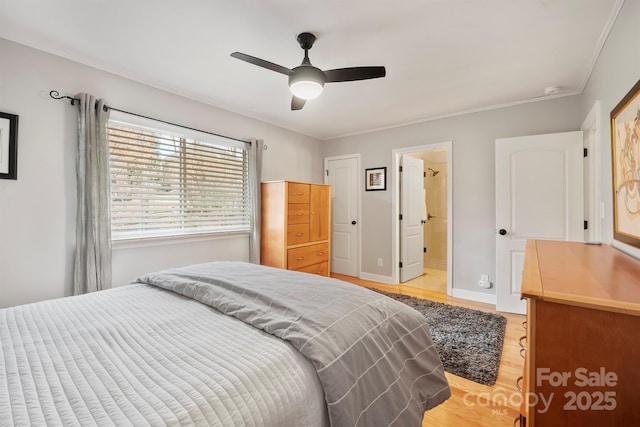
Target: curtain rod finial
56,95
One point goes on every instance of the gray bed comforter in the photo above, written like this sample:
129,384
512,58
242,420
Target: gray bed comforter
141,356
374,356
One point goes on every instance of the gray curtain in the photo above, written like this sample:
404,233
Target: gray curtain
92,270
255,176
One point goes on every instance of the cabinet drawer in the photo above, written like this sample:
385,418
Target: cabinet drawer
297,233
298,193
298,213
321,269
307,255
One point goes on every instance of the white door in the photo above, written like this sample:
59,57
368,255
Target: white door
342,175
412,214
538,196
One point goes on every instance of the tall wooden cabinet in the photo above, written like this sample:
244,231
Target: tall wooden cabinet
583,320
296,226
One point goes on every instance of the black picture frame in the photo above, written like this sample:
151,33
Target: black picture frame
375,179
8,146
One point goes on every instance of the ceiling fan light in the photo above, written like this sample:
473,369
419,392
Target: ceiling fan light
306,81
306,89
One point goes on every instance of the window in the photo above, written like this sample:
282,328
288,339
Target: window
169,181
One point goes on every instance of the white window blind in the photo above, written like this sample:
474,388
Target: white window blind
166,183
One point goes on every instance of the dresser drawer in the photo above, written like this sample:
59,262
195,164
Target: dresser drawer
322,269
298,213
307,255
297,233
298,193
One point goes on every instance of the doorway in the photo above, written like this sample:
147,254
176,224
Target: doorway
434,195
539,195
341,172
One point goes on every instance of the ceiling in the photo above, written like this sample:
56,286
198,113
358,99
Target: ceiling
443,57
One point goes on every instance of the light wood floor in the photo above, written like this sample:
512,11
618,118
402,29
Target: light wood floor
431,280
472,404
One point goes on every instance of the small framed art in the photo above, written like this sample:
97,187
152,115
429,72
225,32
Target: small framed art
376,179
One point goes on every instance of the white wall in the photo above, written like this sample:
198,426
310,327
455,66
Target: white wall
473,137
37,212
615,73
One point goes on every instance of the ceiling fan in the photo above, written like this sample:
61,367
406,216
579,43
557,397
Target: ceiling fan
306,81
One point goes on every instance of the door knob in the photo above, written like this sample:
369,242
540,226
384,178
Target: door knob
353,222
502,231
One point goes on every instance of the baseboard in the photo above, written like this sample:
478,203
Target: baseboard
376,278
474,296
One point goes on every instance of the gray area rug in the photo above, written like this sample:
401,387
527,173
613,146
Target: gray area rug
469,341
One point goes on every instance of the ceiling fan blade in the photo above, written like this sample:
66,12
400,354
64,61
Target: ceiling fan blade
354,73
297,103
261,63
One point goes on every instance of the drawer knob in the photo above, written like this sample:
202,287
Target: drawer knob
300,258
299,193
299,213
320,253
299,234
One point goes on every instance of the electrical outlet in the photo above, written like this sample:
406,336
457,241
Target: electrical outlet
379,262
484,281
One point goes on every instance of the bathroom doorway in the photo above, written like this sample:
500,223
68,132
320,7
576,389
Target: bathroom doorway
436,200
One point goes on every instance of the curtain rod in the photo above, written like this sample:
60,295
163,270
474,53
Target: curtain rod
56,95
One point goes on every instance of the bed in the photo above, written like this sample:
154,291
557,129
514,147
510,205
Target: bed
223,344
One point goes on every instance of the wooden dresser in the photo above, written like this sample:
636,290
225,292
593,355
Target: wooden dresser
582,361
295,226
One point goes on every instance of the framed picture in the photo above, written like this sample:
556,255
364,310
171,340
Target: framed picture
8,146
376,179
625,158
